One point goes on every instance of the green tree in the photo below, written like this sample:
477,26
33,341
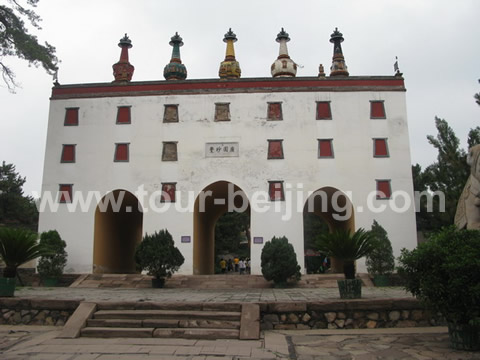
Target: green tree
230,229
447,175
15,40
381,260
279,261
52,265
16,209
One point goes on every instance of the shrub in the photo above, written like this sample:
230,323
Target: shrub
444,273
381,260
347,246
52,265
158,255
279,261
18,246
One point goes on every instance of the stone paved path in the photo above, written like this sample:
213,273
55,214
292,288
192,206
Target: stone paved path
201,295
39,343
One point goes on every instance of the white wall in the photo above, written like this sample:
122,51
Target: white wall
353,170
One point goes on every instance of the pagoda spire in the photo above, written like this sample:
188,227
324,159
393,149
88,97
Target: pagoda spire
175,70
339,67
283,66
230,67
123,70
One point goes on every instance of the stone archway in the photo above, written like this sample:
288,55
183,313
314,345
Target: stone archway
118,230
212,202
336,210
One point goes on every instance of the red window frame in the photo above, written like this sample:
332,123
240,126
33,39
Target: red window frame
384,189
65,193
168,192
275,149
380,147
71,117
377,109
68,153
122,152
324,111
325,148
274,111
124,115
275,191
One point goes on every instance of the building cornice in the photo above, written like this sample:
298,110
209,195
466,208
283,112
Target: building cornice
217,86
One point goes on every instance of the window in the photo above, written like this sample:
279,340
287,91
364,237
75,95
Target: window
123,115
275,191
377,110
222,112
380,148
168,192
325,148
169,152
71,117
171,113
65,193
384,190
274,111
323,110
275,149
121,152
68,154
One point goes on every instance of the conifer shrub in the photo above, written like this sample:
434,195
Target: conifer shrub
52,265
380,261
158,255
279,261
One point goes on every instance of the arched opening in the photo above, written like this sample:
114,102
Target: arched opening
332,208
118,230
213,202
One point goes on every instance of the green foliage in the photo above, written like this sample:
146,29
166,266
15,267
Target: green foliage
230,230
444,272
16,210
381,260
313,226
158,255
18,246
447,175
15,40
279,261
347,246
52,265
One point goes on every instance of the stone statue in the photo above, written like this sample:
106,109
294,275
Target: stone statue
468,208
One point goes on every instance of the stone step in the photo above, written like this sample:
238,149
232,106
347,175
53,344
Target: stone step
209,334
167,314
162,323
118,332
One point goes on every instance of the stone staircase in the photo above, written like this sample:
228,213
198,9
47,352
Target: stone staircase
225,281
153,320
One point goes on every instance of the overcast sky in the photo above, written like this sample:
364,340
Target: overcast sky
436,41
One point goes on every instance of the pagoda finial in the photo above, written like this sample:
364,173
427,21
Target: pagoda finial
283,66
175,70
339,67
230,67
123,70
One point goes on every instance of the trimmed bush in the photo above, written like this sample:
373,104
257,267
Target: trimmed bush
52,265
444,272
279,261
381,260
158,255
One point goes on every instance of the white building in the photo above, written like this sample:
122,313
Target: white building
166,144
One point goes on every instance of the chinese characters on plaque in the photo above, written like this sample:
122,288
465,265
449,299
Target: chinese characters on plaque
227,149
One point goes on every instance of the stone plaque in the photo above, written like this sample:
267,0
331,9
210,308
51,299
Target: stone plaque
226,149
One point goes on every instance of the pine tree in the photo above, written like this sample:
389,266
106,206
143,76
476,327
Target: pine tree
15,40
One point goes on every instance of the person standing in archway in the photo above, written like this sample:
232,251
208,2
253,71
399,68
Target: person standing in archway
223,265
